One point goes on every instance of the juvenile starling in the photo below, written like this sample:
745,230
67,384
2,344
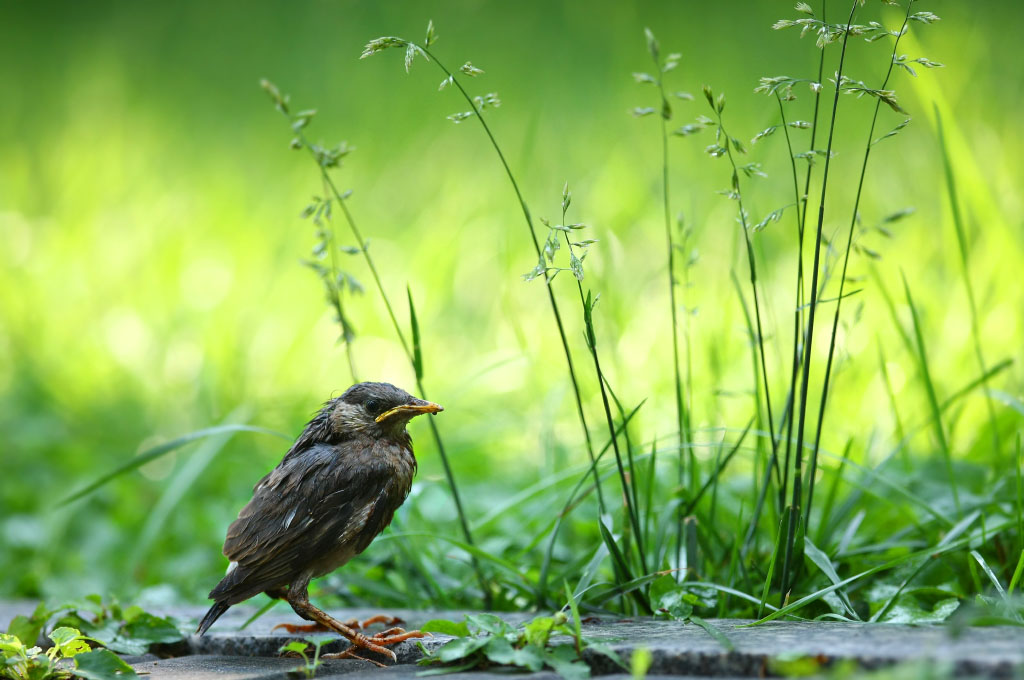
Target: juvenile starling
335,490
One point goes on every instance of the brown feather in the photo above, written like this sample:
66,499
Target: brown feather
335,490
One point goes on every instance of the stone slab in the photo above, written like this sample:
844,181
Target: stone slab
684,648
677,648
256,668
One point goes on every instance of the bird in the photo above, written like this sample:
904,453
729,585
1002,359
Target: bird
335,490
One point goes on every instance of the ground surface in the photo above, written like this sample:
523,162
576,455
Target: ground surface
678,649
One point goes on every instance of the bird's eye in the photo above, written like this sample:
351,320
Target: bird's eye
372,406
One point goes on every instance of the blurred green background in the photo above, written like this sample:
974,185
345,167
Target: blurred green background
151,246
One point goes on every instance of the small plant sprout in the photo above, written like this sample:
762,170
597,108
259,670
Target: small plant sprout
485,640
300,648
23,660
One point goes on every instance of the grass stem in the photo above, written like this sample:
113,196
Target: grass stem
805,378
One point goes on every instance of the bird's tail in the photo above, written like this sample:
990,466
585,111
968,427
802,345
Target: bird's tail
216,610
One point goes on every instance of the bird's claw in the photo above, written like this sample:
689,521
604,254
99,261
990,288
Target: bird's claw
380,618
371,644
393,636
378,643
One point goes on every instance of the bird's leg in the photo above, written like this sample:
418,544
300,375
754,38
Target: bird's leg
298,598
316,627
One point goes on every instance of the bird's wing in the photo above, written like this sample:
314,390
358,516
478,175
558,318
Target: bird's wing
308,507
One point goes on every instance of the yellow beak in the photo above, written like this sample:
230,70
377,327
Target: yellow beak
416,408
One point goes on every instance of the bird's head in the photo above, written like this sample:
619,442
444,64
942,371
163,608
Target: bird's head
376,409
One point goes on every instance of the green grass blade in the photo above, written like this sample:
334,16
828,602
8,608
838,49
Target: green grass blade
718,471
961,240
734,592
884,609
933,401
484,556
976,383
590,571
932,552
591,470
715,633
417,354
155,452
1015,579
995,581
771,563
179,484
268,605
822,561
830,497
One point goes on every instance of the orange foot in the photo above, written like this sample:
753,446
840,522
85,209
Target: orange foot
355,624
383,639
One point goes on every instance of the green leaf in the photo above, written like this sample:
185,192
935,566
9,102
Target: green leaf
564,660
673,602
446,627
11,645
102,664
151,629
28,628
908,611
539,630
69,642
460,648
530,657
488,623
499,650
25,629
297,646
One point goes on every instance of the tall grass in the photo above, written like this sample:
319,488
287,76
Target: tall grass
963,249
477,106
691,520
627,480
797,514
682,397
